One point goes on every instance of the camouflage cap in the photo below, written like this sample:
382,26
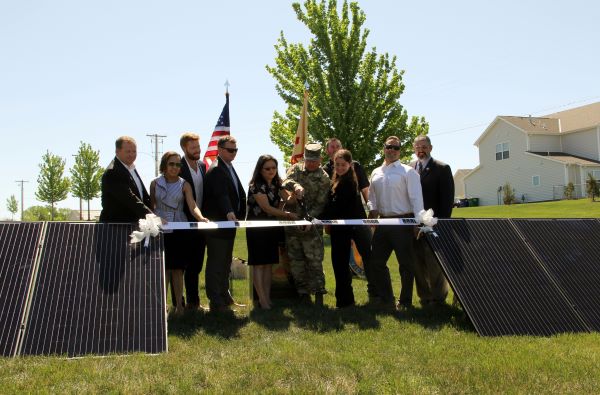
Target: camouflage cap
312,151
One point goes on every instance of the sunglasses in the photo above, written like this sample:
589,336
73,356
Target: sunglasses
174,164
231,150
394,147
269,168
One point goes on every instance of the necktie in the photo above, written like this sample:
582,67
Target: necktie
420,168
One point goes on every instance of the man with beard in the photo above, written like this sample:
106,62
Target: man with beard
193,170
437,184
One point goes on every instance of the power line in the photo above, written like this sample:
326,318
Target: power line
545,110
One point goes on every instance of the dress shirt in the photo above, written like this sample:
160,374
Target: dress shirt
395,190
198,182
137,180
423,163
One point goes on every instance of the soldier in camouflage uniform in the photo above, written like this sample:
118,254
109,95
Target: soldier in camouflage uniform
310,184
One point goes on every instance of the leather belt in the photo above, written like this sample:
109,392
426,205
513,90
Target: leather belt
407,215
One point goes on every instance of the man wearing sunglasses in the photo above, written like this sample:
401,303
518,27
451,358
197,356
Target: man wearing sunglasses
124,197
224,200
395,192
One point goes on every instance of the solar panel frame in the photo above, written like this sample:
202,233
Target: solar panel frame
499,281
97,294
18,252
569,250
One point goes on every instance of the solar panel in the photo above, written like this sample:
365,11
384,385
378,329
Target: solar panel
570,252
96,294
500,283
18,247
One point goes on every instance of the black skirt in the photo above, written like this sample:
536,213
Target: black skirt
263,245
175,250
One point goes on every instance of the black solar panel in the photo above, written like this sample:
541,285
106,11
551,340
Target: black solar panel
96,294
500,283
570,251
18,246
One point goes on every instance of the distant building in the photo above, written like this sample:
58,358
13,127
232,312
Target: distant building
94,215
459,183
538,156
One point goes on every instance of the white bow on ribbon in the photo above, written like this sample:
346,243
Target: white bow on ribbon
148,227
428,221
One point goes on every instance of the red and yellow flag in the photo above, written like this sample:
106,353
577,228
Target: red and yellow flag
301,133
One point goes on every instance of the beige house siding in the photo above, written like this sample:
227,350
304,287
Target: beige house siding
484,181
583,143
542,143
553,176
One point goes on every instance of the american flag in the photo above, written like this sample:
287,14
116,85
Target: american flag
221,129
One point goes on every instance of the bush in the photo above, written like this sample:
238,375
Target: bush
569,191
591,187
508,194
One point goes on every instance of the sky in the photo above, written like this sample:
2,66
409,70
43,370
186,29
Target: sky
73,71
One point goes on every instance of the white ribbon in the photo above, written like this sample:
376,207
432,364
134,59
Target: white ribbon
428,221
148,227
262,224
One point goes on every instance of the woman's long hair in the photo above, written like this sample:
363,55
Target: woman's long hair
257,176
351,174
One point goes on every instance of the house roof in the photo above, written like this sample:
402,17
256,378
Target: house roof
578,118
567,158
557,123
534,124
462,172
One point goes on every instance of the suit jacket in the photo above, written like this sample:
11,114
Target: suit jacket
221,197
121,200
186,174
437,184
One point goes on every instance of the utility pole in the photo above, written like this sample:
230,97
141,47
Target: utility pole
22,195
156,137
80,200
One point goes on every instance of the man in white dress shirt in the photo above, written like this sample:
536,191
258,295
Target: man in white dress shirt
395,192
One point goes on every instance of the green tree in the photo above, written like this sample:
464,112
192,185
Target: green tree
591,187
46,213
86,175
354,92
52,186
12,205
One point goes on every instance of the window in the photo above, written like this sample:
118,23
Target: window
596,174
535,181
502,151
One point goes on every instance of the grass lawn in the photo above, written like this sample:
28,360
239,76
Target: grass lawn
303,349
580,208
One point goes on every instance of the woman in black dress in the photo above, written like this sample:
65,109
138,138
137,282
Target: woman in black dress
265,202
345,203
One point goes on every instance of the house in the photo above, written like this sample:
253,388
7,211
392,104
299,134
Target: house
537,156
459,183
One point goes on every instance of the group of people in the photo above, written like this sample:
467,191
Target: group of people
187,191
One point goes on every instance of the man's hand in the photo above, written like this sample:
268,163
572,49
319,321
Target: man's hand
298,192
231,216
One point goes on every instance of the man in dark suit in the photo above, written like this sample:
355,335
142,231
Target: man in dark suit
437,184
224,200
193,170
124,197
